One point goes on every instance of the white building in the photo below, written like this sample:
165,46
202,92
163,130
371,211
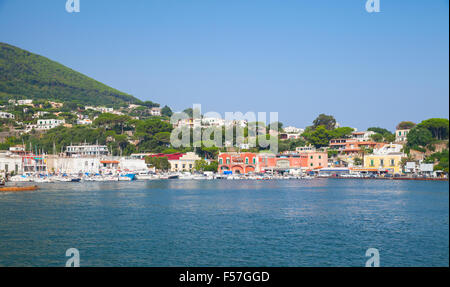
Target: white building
133,106
84,122
48,124
185,163
25,102
217,122
86,150
388,149
140,155
10,163
362,136
155,111
100,109
39,114
293,130
129,164
5,115
303,149
401,135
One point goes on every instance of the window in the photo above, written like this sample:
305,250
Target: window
311,164
228,161
381,162
246,160
392,162
190,165
311,157
220,161
371,162
320,156
254,160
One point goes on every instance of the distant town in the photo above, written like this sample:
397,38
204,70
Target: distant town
52,141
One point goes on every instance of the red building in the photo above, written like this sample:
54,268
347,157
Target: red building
281,162
238,163
242,163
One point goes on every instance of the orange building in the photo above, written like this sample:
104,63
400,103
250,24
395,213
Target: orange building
243,163
238,163
281,162
352,146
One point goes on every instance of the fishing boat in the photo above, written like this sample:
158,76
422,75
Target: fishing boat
18,188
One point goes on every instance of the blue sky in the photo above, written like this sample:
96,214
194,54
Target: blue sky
299,58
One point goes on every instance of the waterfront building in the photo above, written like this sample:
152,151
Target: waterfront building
10,163
333,171
386,159
180,162
34,163
186,162
246,162
401,135
316,159
86,150
281,162
237,163
73,165
141,156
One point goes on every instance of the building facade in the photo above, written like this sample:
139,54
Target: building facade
401,136
86,150
237,163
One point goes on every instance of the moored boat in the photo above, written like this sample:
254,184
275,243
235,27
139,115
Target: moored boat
18,188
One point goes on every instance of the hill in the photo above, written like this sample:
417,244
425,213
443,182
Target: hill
24,75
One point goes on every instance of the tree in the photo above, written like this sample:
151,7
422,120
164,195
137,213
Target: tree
166,111
320,137
419,136
377,137
189,112
150,104
160,163
379,130
202,165
329,122
343,132
439,128
405,125
386,135
277,125
358,161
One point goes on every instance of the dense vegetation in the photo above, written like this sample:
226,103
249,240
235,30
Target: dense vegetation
24,75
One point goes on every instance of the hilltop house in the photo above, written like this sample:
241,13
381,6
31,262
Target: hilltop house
401,136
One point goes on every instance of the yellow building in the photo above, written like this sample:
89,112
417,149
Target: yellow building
384,162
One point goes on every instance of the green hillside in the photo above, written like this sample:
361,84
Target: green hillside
24,75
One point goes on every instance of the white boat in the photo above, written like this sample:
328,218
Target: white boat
21,178
144,175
